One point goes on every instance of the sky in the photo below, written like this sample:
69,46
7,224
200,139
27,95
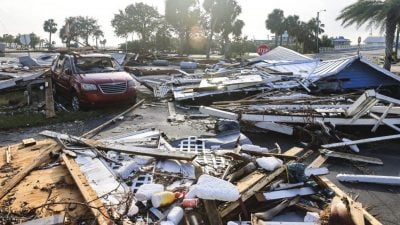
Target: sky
26,16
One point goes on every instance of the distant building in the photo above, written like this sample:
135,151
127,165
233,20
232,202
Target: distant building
260,42
375,41
340,41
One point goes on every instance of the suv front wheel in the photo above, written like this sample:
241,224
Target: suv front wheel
75,103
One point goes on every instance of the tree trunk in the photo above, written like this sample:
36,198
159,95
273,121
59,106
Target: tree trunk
49,40
276,39
390,32
280,40
397,40
182,42
287,40
226,48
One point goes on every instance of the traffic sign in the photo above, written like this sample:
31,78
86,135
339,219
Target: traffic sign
262,49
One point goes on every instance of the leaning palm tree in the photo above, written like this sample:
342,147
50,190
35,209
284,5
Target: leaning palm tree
384,13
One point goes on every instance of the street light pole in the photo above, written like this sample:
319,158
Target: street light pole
317,33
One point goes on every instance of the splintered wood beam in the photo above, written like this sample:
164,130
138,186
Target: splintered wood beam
339,192
325,182
8,155
43,157
50,111
254,182
153,152
351,157
96,206
96,130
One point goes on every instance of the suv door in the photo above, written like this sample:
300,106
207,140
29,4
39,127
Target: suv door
66,75
57,70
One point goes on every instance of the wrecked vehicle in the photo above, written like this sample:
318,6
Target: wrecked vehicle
92,79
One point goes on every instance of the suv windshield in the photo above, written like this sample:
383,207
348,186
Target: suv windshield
96,65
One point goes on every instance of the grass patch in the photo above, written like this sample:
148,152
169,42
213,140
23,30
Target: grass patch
16,96
33,120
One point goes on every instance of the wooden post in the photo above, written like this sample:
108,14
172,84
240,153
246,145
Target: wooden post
90,196
50,111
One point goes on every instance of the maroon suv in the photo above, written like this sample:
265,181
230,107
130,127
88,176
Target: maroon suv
92,79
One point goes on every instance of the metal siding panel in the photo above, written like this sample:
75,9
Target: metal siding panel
362,76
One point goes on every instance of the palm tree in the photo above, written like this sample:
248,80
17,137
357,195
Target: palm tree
51,27
397,40
97,35
385,14
276,24
292,26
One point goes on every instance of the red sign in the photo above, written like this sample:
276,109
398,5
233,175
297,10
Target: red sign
262,49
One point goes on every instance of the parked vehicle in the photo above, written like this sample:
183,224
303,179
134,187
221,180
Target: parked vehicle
92,79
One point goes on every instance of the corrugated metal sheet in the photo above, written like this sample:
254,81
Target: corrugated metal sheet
330,67
302,68
281,54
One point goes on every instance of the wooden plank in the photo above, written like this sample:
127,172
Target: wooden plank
255,181
28,142
8,155
96,130
319,161
351,157
356,213
293,151
96,206
49,98
153,152
266,154
43,157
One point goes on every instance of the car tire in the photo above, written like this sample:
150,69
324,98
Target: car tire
75,103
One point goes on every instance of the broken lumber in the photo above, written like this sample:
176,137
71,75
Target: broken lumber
50,111
340,193
44,156
153,152
28,142
96,130
351,157
96,206
8,155
255,181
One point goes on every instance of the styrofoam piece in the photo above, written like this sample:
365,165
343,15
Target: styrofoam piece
175,215
133,209
311,217
390,180
212,188
316,171
167,223
254,148
269,163
145,191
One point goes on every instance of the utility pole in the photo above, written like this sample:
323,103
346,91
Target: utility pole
317,32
